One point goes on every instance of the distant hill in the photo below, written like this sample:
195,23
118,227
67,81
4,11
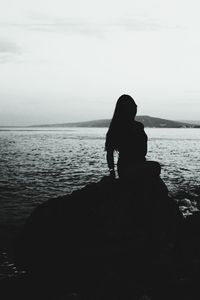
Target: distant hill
146,120
196,122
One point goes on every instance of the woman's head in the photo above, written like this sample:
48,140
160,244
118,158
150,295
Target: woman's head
124,114
125,109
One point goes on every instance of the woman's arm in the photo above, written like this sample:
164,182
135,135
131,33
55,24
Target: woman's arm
110,162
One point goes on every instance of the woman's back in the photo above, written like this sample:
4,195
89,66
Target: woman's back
133,143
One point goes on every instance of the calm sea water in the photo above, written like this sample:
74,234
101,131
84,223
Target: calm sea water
38,164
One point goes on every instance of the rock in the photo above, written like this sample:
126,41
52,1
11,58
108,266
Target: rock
118,225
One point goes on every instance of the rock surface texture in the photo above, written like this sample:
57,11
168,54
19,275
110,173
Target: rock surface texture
109,232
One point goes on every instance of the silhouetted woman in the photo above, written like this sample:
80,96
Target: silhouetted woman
126,136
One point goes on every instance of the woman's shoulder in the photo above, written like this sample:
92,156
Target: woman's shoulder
138,125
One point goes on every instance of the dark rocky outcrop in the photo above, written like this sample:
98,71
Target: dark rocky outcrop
115,228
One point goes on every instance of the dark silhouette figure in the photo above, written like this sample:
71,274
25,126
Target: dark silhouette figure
126,136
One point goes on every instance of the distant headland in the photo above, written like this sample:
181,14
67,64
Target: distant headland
146,120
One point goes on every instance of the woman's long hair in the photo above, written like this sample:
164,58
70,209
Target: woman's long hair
124,114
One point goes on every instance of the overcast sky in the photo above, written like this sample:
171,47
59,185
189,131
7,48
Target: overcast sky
63,61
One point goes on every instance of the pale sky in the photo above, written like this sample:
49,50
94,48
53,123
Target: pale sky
64,61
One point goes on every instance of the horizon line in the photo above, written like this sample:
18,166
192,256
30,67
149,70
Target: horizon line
94,120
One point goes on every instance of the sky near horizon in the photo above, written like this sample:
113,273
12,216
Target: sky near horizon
69,60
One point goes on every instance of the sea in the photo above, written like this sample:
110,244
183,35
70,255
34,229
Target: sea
37,164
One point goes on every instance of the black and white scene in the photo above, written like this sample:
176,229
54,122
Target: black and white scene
99,150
